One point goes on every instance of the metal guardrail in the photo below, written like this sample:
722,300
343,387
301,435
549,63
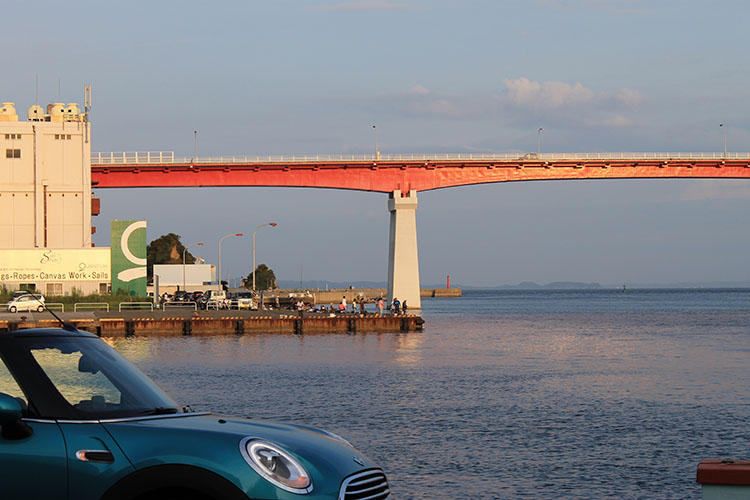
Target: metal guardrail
190,306
91,306
168,157
130,306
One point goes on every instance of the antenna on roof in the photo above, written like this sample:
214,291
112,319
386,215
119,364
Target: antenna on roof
65,326
36,90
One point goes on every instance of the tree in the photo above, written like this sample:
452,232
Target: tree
166,249
264,278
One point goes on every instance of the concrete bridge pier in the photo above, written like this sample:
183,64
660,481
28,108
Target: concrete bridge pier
403,261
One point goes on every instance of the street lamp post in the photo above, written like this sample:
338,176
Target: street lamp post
272,224
724,128
377,153
184,249
195,146
539,141
220,240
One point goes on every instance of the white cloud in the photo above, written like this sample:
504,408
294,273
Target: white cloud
419,90
525,93
521,101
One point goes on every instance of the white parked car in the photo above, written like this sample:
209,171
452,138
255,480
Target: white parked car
26,303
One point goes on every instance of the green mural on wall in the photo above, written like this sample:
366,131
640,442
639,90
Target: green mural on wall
128,245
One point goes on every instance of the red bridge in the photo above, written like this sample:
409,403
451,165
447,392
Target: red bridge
402,176
387,173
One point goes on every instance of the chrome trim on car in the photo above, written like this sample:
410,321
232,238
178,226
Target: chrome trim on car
130,419
374,479
155,417
39,420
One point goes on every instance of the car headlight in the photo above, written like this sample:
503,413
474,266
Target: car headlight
276,465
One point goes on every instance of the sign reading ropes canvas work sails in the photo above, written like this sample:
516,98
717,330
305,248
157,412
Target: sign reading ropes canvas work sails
128,246
46,264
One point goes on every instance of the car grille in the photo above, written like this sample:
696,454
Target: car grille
367,485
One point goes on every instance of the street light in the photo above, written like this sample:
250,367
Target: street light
377,153
272,224
220,240
539,141
184,249
721,125
195,146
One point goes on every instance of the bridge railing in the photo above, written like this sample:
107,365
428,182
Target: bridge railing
168,157
132,157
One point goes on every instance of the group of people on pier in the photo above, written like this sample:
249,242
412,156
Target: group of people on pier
358,305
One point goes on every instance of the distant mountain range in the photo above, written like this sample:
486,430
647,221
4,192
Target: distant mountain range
555,285
524,285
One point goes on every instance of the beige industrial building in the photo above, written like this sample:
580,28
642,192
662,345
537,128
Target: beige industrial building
46,202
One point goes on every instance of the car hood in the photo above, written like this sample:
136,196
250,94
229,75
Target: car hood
212,442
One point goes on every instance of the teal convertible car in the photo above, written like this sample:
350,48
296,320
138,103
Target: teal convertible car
80,422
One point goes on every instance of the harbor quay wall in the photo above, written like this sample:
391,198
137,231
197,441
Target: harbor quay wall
205,323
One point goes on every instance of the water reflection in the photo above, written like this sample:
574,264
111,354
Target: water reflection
551,395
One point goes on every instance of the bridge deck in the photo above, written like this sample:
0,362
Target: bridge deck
404,172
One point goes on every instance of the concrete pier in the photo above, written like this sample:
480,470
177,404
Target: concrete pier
169,323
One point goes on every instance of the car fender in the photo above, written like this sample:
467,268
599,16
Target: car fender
174,476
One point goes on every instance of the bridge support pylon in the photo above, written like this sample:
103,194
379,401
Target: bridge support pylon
403,259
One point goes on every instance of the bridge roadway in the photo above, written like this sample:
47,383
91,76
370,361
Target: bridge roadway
402,176
387,173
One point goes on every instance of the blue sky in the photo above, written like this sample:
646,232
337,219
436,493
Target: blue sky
295,77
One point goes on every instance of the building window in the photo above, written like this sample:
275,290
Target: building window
54,289
103,288
62,137
12,136
12,153
29,287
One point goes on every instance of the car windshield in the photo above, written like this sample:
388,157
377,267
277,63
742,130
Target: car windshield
72,377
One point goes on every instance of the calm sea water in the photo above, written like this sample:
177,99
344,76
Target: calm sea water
565,394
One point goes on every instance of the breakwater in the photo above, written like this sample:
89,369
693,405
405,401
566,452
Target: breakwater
166,323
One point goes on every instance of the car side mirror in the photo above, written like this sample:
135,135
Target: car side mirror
10,409
10,418
87,365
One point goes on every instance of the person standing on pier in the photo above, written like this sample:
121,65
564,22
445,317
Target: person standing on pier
403,306
342,307
362,309
380,306
396,306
